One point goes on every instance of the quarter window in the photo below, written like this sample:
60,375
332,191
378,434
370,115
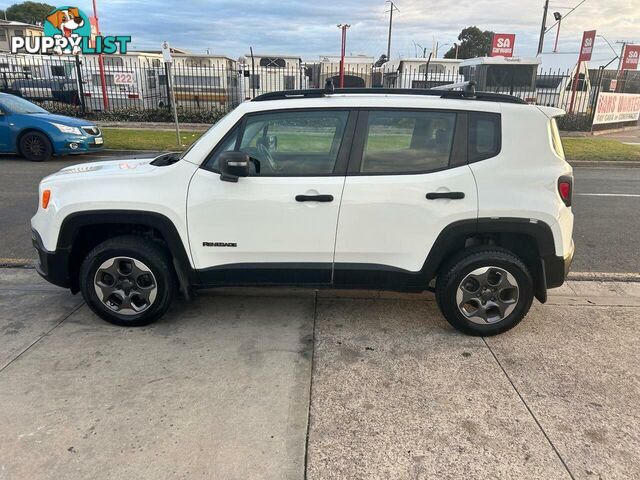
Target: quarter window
555,138
289,143
484,136
405,141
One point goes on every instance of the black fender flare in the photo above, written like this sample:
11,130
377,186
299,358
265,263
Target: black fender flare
452,239
73,223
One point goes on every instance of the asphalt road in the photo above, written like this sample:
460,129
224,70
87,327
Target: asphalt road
606,205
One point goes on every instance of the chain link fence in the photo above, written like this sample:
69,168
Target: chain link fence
137,87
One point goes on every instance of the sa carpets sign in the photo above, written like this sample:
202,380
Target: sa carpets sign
502,44
68,30
630,57
617,107
586,47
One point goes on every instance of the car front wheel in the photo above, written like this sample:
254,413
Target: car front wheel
35,146
484,291
128,281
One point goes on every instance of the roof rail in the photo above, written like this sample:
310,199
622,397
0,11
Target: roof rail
467,94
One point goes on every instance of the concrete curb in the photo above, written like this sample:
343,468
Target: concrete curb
600,164
603,277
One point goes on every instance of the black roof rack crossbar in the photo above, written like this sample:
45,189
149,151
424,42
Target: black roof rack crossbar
460,94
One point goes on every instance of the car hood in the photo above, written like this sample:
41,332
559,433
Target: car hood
62,119
103,169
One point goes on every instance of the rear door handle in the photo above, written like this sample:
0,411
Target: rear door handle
449,195
314,198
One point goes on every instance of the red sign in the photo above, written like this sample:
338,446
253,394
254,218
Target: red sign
630,57
94,31
502,45
586,48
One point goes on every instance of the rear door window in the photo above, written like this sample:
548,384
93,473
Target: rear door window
484,138
407,141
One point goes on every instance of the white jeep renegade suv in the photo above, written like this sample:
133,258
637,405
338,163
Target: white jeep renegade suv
464,193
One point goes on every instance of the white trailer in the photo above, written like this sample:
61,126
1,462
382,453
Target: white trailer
512,75
131,81
420,72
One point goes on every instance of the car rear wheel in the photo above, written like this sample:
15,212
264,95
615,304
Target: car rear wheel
35,146
484,291
128,281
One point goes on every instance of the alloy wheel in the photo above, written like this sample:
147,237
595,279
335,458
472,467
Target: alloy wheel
34,145
125,285
487,295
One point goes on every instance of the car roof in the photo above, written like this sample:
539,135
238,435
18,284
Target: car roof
373,100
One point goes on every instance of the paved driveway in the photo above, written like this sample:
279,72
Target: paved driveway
220,388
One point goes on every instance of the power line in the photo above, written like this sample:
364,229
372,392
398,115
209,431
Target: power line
564,16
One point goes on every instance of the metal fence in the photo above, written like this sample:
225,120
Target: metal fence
204,84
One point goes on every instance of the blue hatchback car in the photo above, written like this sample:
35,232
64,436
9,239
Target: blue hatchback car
36,134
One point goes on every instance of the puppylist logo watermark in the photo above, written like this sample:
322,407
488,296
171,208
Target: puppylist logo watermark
67,30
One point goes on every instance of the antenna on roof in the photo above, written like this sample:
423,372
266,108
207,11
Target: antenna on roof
328,86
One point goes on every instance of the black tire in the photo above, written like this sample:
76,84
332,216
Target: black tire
152,256
457,269
35,146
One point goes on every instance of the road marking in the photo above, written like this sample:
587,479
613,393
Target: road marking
632,195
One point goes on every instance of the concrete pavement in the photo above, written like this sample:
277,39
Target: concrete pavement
220,388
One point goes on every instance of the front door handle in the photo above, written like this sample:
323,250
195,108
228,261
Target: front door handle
449,195
314,198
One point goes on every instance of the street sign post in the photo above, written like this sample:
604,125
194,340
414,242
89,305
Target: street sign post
168,60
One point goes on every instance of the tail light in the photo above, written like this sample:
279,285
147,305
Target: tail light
87,94
133,95
565,189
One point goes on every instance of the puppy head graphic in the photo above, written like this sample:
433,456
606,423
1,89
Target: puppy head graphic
67,20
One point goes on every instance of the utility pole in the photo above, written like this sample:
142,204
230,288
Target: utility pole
393,7
103,81
343,27
544,26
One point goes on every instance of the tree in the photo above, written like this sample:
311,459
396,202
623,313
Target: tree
473,43
29,12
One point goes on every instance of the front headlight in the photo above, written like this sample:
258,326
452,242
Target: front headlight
67,128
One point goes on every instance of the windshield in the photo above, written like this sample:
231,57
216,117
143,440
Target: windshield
183,154
19,105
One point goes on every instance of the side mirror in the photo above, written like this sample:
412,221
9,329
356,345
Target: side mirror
233,165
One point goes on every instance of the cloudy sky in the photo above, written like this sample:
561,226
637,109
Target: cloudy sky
308,28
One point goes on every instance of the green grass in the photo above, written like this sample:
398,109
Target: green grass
599,150
578,148
146,139
165,140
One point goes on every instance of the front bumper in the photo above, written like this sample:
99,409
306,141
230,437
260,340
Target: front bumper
556,269
52,266
77,144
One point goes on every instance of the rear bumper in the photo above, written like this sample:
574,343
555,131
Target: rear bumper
52,266
556,269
